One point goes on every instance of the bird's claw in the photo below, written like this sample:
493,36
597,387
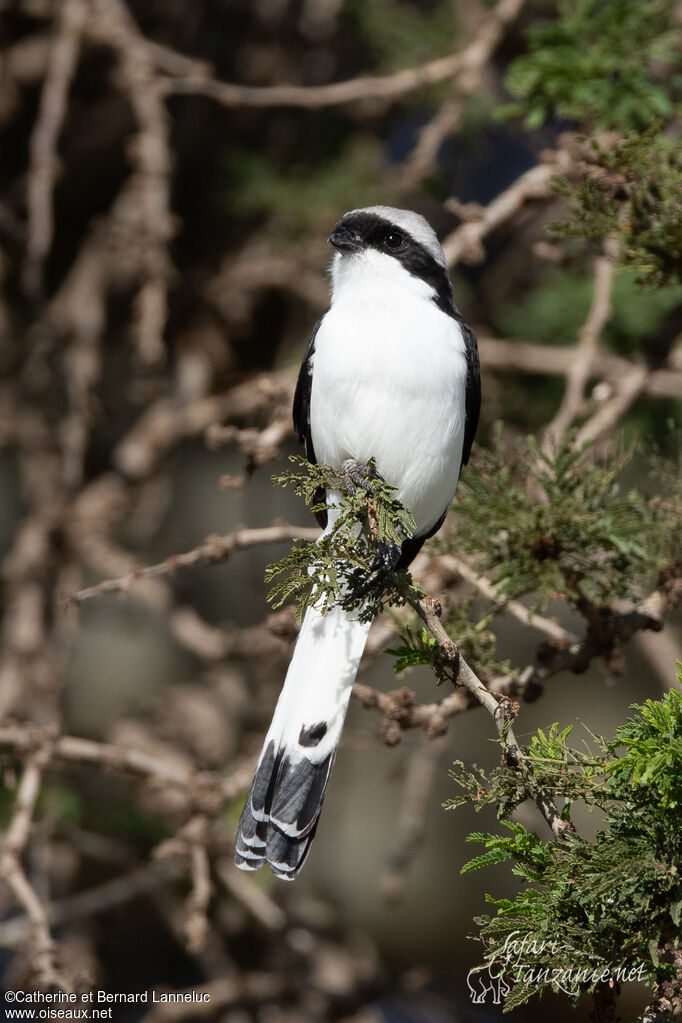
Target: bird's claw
357,474
382,568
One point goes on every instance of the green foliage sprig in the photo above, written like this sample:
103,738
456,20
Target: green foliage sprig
325,572
586,902
580,535
594,63
632,190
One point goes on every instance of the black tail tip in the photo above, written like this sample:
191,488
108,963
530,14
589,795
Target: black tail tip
279,820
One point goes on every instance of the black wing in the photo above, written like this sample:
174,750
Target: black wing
473,389
304,387
302,397
446,302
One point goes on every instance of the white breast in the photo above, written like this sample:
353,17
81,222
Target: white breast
389,381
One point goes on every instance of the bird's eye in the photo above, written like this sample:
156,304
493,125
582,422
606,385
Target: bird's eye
393,240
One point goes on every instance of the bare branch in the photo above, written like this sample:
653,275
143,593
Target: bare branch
255,900
388,88
506,355
412,821
204,786
626,389
91,901
399,710
465,243
213,551
150,152
191,843
165,423
16,837
42,173
578,375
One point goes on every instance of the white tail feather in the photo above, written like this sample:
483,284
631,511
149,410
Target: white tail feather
281,811
320,677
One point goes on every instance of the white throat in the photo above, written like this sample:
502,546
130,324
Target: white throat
370,274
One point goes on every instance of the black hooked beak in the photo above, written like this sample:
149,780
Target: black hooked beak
345,240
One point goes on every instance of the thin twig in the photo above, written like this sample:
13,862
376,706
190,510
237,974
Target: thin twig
213,551
501,711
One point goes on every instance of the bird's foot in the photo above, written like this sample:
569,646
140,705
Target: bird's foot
357,474
381,570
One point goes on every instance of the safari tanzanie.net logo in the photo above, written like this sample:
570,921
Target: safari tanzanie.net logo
523,960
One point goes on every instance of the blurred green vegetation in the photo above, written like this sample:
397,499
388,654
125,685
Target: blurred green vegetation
594,65
399,35
555,308
300,197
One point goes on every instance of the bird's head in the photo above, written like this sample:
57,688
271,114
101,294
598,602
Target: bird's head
381,245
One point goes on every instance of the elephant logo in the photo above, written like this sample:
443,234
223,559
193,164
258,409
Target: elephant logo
485,980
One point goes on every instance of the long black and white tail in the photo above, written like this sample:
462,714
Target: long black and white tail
282,809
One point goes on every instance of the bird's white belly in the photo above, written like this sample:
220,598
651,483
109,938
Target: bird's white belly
389,382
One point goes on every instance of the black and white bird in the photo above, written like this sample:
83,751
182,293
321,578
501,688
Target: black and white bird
391,373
